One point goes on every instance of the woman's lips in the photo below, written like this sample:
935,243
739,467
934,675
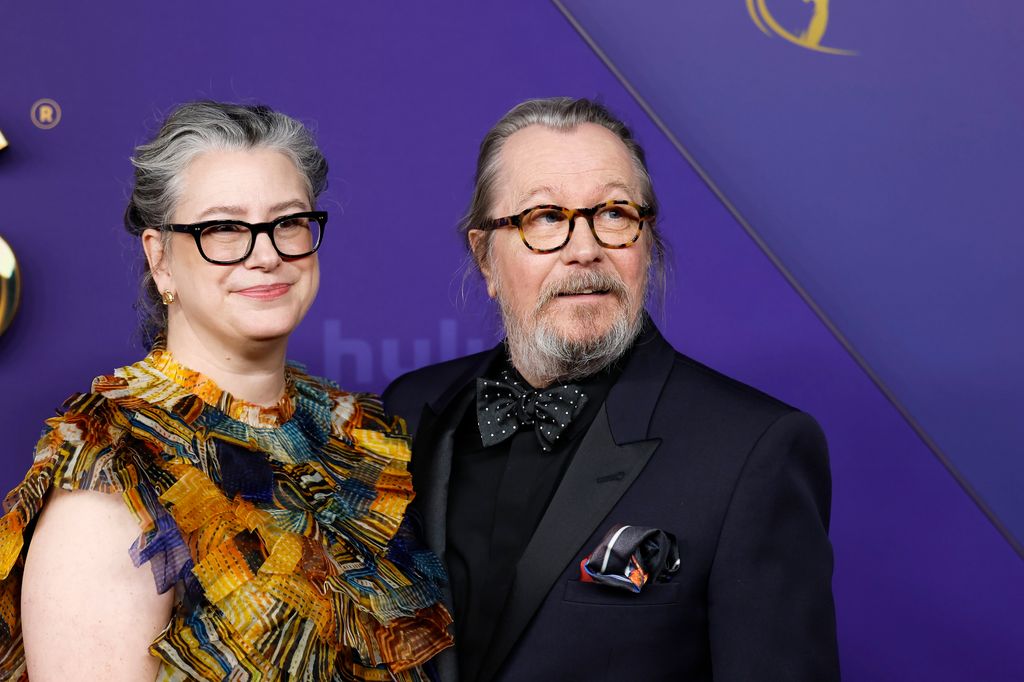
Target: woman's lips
266,292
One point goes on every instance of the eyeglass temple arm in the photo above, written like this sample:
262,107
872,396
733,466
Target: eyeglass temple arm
501,222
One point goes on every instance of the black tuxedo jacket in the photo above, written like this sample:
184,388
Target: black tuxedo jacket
741,479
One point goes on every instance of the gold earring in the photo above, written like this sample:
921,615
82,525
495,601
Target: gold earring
167,297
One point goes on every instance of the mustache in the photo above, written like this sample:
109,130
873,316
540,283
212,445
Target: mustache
580,282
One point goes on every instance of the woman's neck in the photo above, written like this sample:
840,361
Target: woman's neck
254,373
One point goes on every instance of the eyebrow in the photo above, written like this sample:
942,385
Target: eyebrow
238,210
540,189
547,189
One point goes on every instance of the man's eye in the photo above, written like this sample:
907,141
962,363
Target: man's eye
546,216
617,214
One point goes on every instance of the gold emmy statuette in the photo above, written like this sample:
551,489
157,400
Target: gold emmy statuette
10,285
809,39
3,140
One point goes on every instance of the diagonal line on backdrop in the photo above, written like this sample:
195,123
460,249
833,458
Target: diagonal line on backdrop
780,266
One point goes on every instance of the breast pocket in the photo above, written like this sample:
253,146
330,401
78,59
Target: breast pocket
652,594
631,635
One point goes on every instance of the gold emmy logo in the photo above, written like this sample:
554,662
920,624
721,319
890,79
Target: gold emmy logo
3,140
10,289
45,114
809,38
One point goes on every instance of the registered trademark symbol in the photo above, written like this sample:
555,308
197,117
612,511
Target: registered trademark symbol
45,113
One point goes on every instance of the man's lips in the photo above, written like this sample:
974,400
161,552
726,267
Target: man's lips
586,293
265,292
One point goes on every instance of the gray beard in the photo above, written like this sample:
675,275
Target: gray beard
538,351
550,358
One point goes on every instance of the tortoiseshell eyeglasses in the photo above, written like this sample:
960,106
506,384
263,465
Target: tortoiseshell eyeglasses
615,224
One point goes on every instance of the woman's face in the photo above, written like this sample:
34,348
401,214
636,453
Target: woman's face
261,299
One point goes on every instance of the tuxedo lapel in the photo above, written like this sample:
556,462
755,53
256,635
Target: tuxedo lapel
434,439
432,462
600,472
432,465
633,398
432,448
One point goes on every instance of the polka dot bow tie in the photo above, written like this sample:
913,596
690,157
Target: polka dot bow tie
503,406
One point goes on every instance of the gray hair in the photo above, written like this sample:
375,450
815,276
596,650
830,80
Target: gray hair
565,114
188,131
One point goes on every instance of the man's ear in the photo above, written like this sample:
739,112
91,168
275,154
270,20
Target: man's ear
478,243
158,259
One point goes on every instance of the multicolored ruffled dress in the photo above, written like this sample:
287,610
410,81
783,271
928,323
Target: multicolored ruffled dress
280,529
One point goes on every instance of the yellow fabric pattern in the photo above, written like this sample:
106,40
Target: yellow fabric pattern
281,527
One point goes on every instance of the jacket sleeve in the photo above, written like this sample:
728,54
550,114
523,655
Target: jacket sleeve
771,611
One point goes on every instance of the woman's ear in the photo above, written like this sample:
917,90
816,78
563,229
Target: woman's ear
158,257
478,243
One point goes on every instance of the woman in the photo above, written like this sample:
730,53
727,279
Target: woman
264,503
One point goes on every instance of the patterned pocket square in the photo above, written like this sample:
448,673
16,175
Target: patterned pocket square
628,556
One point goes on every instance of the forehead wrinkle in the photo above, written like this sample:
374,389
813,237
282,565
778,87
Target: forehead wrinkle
292,203
224,210
241,210
594,196
572,167
528,194
609,187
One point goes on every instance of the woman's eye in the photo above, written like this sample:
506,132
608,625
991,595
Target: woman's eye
225,229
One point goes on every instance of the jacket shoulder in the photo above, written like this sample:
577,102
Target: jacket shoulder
707,394
712,377
406,395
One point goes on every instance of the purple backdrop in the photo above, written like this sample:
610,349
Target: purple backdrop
925,587
896,161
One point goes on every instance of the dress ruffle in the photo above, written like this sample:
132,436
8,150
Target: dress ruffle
304,570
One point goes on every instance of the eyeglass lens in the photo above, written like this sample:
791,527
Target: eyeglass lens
293,238
547,228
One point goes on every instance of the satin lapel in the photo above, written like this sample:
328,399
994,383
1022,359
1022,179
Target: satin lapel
600,473
434,439
634,397
432,461
432,449
474,366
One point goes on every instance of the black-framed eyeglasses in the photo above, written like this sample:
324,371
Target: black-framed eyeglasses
615,224
225,242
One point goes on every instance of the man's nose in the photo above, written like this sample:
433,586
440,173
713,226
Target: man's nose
583,248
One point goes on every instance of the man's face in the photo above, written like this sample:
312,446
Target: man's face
556,291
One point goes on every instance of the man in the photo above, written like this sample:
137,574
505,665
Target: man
529,458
